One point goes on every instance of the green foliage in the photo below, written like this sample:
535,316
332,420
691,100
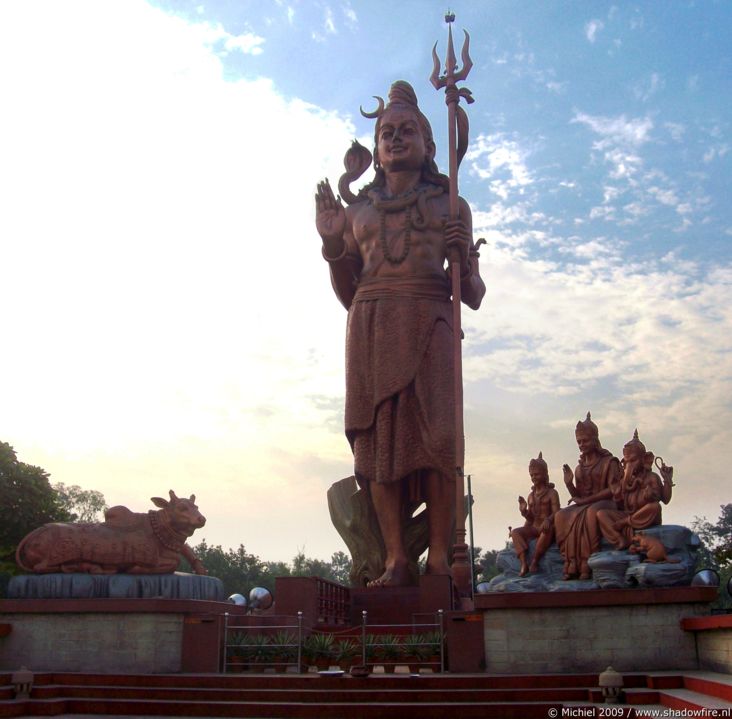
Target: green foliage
390,647
346,650
416,646
82,505
716,538
486,565
241,571
337,570
27,501
236,568
319,646
716,550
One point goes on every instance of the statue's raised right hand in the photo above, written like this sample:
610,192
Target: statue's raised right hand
568,474
330,219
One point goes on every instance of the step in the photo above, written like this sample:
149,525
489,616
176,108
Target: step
687,699
331,710
312,680
344,694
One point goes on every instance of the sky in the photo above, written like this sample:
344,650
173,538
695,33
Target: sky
167,318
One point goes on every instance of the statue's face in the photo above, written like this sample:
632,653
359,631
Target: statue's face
538,477
585,441
400,144
632,455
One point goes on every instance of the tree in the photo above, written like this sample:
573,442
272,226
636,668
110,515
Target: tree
716,538
303,566
487,564
83,505
27,501
341,565
716,550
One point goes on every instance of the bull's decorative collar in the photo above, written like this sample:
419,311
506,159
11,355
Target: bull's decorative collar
166,535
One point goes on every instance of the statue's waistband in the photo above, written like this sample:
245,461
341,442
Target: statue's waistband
430,287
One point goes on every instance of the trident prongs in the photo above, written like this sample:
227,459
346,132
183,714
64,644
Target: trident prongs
452,75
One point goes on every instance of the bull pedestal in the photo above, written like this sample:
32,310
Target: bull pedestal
113,636
77,585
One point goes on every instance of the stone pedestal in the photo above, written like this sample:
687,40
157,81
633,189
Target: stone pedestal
178,585
113,636
631,630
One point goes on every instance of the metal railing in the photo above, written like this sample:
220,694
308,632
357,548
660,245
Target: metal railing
287,647
255,644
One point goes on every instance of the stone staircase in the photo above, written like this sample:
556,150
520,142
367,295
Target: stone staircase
381,696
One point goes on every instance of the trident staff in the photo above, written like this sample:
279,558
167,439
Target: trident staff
458,142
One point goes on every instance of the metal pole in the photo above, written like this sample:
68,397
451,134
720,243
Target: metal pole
472,543
299,642
364,615
226,639
441,616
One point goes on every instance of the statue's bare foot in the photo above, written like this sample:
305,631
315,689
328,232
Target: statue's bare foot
437,566
524,569
396,576
533,568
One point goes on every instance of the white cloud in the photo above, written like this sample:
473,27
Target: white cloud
617,130
350,16
592,28
648,87
715,152
501,161
154,269
676,130
329,22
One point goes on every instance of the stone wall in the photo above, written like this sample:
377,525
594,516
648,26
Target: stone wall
109,643
715,650
588,639
713,641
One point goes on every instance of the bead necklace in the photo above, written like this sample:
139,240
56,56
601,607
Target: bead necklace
392,205
407,237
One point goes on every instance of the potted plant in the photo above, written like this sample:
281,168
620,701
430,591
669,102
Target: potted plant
416,651
260,649
236,653
389,651
372,646
319,649
433,641
345,651
283,646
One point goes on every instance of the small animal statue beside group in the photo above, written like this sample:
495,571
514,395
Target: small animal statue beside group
125,542
609,498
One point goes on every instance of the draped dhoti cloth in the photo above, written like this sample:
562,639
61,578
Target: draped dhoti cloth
399,379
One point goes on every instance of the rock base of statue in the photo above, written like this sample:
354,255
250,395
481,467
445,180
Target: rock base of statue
353,516
611,568
117,586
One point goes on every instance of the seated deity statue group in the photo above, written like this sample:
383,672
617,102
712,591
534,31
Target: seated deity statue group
610,499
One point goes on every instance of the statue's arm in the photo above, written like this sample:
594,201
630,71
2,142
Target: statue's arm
568,476
345,268
653,490
334,225
548,523
472,287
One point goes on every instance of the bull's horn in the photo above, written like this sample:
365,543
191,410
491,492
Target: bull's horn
172,494
193,498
